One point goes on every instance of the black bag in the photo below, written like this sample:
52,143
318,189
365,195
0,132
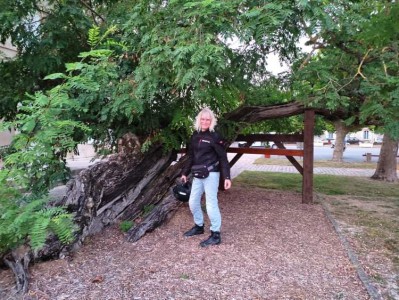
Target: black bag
200,171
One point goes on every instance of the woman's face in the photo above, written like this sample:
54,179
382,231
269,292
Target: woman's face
205,121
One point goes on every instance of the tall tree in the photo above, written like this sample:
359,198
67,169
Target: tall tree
150,74
355,72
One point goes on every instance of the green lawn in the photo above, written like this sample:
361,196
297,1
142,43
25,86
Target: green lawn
325,184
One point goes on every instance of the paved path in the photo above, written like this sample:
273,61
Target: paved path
246,162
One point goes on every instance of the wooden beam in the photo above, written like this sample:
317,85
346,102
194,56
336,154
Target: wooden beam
307,180
292,159
235,159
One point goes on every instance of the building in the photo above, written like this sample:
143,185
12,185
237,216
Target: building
365,135
7,51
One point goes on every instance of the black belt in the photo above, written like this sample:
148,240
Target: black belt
214,167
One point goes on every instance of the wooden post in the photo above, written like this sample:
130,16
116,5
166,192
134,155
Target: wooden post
307,180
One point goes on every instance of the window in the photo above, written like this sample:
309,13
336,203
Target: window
366,135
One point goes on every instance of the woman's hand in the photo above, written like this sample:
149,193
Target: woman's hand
183,178
227,184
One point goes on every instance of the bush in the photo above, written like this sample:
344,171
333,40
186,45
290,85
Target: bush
26,219
126,225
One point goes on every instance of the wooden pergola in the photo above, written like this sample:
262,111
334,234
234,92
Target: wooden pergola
306,170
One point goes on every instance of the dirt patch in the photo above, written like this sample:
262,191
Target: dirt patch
273,247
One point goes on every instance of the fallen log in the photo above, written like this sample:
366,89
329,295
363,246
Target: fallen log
158,216
106,193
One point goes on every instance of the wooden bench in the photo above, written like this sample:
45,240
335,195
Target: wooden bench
369,156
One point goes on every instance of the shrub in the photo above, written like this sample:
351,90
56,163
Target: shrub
126,225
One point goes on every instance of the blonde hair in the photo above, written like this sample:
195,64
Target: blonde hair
197,123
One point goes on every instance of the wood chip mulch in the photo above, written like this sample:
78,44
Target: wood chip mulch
273,247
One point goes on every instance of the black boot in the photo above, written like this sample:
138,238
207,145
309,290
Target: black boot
214,239
195,230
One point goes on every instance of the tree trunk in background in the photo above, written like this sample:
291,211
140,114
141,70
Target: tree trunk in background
387,162
339,148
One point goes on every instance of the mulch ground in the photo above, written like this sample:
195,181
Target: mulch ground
273,247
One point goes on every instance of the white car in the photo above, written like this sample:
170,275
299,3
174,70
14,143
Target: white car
258,145
263,145
366,144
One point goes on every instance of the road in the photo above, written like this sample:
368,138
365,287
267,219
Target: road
353,153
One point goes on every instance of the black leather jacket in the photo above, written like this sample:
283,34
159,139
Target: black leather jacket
207,148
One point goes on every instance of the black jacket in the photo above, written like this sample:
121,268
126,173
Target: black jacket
207,148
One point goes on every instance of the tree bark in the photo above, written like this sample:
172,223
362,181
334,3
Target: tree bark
387,163
119,189
18,261
339,148
253,114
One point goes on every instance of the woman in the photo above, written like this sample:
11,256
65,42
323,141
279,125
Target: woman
206,148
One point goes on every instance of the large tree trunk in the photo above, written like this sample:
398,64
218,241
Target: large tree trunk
339,148
119,189
387,162
104,194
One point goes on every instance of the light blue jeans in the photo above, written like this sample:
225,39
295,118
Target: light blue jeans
210,186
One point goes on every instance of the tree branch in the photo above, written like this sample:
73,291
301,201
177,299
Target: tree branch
92,11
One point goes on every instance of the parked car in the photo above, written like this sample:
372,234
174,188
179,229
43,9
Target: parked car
258,145
366,144
328,141
378,141
353,141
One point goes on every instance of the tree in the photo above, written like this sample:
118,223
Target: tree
386,169
128,83
140,84
355,71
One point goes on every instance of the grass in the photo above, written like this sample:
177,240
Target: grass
367,210
325,184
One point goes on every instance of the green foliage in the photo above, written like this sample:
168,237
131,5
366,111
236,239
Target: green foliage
26,219
355,71
147,209
48,128
126,225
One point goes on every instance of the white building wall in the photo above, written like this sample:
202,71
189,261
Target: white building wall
7,51
364,134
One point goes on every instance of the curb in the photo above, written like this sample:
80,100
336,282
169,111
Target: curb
364,278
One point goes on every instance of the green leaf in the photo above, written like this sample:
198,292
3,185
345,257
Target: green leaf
56,76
